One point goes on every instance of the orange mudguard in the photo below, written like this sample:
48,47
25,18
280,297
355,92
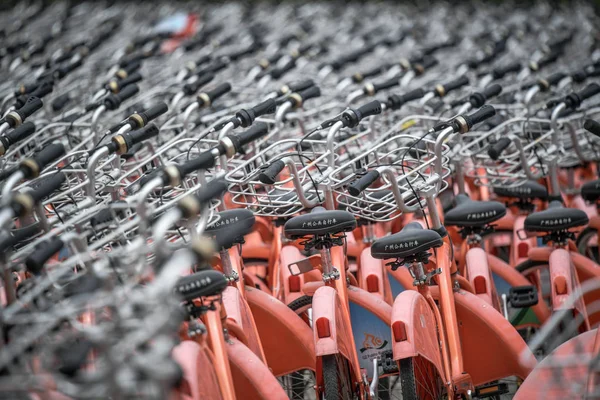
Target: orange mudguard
287,340
331,330
557,375
414,330
252,379
370,274
200,380
491,346
478,274
238,311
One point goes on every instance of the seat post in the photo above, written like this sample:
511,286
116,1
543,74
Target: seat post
228,270
329,273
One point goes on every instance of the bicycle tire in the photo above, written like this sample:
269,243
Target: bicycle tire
582,241
336,378
413,373
300,303
528,264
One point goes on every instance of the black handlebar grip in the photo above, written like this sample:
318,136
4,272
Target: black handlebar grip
139,120
32,167
118,85
424,65
295,87
360,76
579,76
48,187
254,133
264,108
205,160
134,137
201,283
497,148
351,57
17,236
278,72
492,90
128,69
372,89
42,90
113,101
499,72
26,88
442,90
547,60
573,100
480,115
214,67
61,101
42,253
247,117
396,101
214,94
592,126
17,117
478,99
16,135
31,105
191,88
545,84
371,108
213,190
297,99
356,187
352,117
269,175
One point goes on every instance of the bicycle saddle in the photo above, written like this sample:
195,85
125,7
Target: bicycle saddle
469,212
591,190
208,282
528,190
555,218
231,227
319,222
411,240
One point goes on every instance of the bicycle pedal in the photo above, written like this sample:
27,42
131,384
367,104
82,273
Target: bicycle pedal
491,390
523,296
387,363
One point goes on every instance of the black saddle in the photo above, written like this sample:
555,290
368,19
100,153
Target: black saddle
411,240
555,218
203,283
591,191
472,213
527,191
231,227
319,222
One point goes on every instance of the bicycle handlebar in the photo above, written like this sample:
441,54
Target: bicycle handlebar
356,187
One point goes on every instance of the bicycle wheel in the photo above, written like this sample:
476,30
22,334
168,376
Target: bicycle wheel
419,380
301,304
529,267
590,250
337,379
299,385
